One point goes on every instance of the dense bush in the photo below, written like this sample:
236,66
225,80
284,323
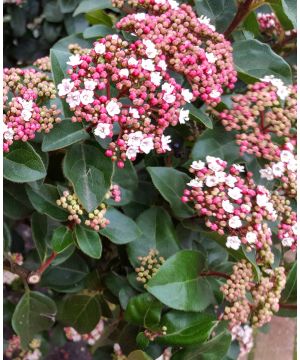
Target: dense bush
149,177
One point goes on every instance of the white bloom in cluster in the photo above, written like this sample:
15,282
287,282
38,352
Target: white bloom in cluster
211,181
134,112
206,21
8,133
27,108
73,98
233,242
278,169
8,277
215,94
198,165
135,138
187,95
124,72
26,114
156,78
65,87
235,193
211,58
239,167
100,48
90,84
286,156
169,98
267,173
262,199
168,88
137,142
148,64
227,206
235,222
251,237
140,16
244,335
174,4
132,61
184,116
292,165
214,163
196,183
113,108
160,2
294,229
230,180
271,210
74,60
87,97
131,152
151,50
162,64
147,144
221,176
165,141
102,130
287,241
282,90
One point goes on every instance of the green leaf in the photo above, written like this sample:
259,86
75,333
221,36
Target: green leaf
43,198
97,31
290,291
290,8
90,172
88,241
138,355
246,54
178,283
214,349
52,12
286,11
39,227
89,5
34,313
64,134
200,115
63,44
61,239
144,310
16,204
157,233
96,17
171,183
121,229
81,311
22,163
6,238
186,328
67,6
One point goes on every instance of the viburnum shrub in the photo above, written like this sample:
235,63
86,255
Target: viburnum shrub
150,172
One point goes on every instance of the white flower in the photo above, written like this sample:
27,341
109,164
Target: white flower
156,78
286,156
147,145
168,88
292,165
8,277
227,206
124,72
235,222
282,90
100,48
113,108
270,208
262,199
169,98
211,181
148,65
278,169
251,237
115,36
165,140
26,105
132,61
140,16
198,165
87,97
287,241
148,43
196,183
174,4
102,130
221,176
187,95
90,84
134,112
206,21
162,64
74,60
246,207
289,146
211,58
215,94
135,138
151,51
73,99
235,193
213,163
239,167
267,173
184,116
131,152
233,242
26,114
160,2
294,229
230,180
8,133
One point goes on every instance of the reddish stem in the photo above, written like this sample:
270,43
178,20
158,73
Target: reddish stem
46,263
242,12
288,306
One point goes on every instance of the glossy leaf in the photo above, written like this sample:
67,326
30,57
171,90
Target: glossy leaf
97,31
16,204
290,291
61,239
88,241
98,17
39,227
200,116
89,5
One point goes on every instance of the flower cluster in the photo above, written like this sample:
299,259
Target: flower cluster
232,204
191,45
95,219
264,294
77,49
266,110
150,264
269,24
23,91
146,99
89,338
14,350
244,335
43,64
9,277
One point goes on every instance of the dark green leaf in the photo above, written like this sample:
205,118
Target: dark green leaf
67,6
200,115
63,44
61,239
16,204
97,31
290,291
6,238
39,227
89,5
88,241
98,17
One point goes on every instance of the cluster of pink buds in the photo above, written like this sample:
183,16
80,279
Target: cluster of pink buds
191,45
14,350
43,64
268,108
89,338
231,203
287,231
24,116
265,295
269,25
9,277
114,193
244,336
146,99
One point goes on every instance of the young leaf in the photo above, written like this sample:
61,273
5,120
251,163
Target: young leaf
96,17
61,239
88,241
